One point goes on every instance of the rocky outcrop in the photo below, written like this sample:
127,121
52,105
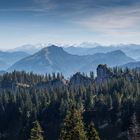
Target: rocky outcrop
103,73
79,80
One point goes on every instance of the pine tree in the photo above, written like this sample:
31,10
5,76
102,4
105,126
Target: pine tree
36,132
134,130
92,134
73,127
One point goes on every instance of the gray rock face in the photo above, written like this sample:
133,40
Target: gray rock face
78,80
103,73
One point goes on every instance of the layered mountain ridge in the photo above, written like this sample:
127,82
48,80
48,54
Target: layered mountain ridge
132,50
9,58
55,59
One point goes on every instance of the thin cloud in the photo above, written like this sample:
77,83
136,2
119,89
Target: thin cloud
118,19
76,20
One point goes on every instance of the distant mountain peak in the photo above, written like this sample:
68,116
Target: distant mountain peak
53,49
117,52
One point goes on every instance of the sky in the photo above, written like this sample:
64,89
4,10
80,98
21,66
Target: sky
69,22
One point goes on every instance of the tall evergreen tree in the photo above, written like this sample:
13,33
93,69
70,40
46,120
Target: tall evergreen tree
134,130
92,134
73,127
36,132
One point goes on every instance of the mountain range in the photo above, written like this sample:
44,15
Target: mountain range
28,48
56,59
86,48
132,50
132,65
9,58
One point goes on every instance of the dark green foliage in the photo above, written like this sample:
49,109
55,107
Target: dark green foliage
26,97
92,134
134,129
36,132
73,127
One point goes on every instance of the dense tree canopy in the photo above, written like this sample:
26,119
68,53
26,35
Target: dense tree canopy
27,97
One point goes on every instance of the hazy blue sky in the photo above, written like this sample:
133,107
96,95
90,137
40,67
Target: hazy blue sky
69,21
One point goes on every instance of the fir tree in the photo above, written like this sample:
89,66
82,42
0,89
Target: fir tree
36,132
92,134
134,130
73,127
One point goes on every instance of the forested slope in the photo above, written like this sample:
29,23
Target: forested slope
47,104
